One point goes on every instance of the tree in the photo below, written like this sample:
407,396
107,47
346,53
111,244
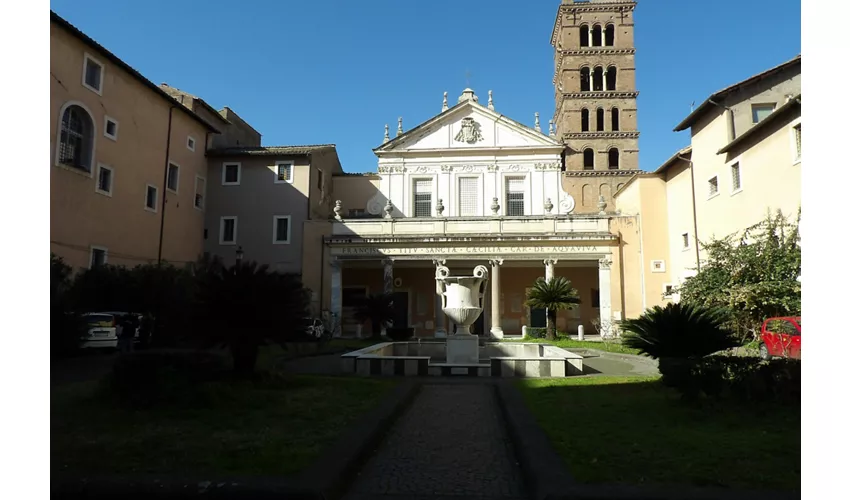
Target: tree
246,306
754,275
66,326
554,295
378,310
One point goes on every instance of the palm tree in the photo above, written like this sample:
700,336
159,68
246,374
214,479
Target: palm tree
554,295
378,309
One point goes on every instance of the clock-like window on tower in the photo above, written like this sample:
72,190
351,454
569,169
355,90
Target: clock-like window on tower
584,75
584,35
609,35
597,78
588,159
597,36
613,159
585,120
600,120
615,119
611,78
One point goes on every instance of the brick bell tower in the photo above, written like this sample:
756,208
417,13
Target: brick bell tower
595,98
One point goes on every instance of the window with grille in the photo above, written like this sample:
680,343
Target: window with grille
713,187
284,172
798,129
422,197
515,196
468,196
736,177
76,138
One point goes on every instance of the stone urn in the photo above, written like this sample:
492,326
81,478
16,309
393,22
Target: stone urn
462,301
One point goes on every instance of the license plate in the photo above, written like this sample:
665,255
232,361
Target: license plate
101,334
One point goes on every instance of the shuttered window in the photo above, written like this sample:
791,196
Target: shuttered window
468,196
515,196
422,198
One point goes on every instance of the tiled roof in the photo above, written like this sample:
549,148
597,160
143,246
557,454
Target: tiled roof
269,150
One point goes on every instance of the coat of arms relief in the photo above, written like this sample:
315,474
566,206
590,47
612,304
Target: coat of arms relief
470,131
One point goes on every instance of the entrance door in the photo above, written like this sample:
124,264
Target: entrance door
400,319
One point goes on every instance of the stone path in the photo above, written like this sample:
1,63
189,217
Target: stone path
450,443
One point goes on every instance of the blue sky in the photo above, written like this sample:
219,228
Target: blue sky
335,71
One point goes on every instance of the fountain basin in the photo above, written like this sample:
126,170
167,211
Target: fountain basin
495,359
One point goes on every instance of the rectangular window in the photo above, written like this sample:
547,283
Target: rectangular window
98,257
422,197
713,187
686,241
514,196
761,111
110,128
93,74
668,291
468,196
736,176
190,143
320,180
284,171
173,181
798,129
231,174
281,229
200,192
227,231
104,180
150,198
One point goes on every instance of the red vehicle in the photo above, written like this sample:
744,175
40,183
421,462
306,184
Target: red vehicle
780,338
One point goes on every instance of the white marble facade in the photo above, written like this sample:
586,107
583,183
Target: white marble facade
471,150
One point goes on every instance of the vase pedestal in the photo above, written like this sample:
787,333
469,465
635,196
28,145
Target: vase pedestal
462,349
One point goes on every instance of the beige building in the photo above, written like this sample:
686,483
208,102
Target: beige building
128,171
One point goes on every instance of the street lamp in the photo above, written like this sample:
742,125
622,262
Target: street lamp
239,254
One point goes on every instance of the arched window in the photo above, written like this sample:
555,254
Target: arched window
609,35
597,78
600,120
613,159
615,119
597,36
584,35
585,120
611,78
588,159
76,138
584,75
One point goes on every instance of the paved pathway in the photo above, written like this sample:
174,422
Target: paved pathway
450,443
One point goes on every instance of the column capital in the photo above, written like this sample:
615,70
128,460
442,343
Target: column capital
549,262
605,263
335,263
387,261
497,261
438,261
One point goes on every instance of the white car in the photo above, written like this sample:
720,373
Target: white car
101,331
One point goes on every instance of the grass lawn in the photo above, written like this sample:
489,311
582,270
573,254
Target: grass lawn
565,343
632,429
250,432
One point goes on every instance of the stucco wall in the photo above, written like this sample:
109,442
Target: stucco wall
81,218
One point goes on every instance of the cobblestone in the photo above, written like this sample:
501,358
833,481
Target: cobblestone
451,442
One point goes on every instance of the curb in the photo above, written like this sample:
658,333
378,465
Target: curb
543,469
338,465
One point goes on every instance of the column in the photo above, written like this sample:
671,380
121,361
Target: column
336,294
605,296
605,79
550,268
591,79
388,275
496,299
439,315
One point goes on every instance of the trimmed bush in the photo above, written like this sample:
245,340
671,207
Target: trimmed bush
399,334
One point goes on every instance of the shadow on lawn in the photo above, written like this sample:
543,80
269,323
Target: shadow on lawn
635,430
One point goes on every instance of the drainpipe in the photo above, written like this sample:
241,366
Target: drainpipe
164,187
693,206
730,120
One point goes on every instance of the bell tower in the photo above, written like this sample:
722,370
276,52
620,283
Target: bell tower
596,98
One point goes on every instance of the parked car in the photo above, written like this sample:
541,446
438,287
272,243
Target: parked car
101,331
780,338
119,318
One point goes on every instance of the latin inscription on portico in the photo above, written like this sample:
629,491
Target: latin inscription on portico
482,250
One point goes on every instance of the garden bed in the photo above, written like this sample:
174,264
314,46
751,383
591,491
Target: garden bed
633,430
249,430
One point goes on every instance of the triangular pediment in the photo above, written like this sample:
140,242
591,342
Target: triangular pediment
468,126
